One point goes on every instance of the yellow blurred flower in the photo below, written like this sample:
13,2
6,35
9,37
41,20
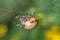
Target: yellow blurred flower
56,37
54,29
3,30
40,15
52,34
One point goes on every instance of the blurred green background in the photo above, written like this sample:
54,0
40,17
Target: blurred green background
47,11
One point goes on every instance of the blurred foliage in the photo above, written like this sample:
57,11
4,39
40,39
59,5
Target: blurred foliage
47,12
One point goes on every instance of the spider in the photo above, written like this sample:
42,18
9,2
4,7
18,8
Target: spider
29,22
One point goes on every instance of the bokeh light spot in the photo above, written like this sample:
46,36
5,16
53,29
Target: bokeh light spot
32,9
52,34
51,19
43,22
40,15
3,30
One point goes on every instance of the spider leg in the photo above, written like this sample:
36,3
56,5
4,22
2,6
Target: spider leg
18,25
